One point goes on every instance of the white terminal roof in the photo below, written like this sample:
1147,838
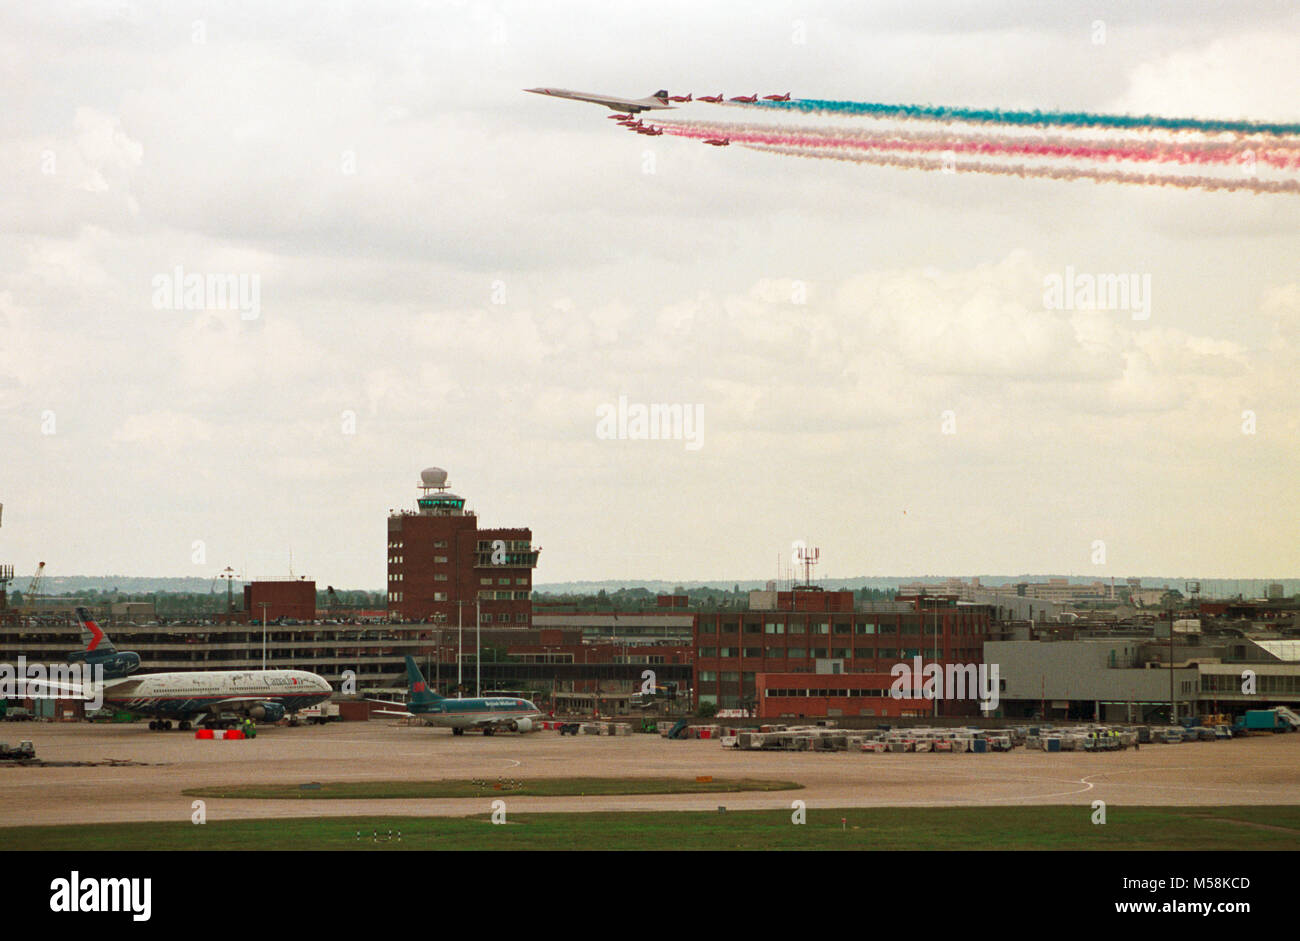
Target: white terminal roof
1288,650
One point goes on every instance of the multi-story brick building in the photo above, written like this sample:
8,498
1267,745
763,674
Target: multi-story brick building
809,635
276,598
440,561
801,695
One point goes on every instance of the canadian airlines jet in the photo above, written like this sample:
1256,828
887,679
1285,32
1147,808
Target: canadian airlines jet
258,694
488,714
192,695
656,102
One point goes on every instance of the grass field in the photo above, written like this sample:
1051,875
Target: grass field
539,787
950,828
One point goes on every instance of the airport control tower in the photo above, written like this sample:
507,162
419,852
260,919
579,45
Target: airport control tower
440,562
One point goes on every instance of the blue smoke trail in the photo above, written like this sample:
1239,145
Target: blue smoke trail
1029,118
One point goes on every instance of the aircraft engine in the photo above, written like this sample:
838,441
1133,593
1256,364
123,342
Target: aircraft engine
522,725
268,711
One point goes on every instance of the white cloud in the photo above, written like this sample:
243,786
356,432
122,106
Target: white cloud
922,295
167,431
1250,74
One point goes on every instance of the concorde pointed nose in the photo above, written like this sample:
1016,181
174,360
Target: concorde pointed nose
539,91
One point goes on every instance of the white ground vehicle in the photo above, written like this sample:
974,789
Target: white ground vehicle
318,714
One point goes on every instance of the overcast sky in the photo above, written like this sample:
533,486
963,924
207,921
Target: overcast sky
452,272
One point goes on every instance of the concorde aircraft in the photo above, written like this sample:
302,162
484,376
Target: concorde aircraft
487,714
656,102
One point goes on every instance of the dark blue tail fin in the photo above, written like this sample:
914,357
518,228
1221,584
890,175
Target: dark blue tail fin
99,650
95,640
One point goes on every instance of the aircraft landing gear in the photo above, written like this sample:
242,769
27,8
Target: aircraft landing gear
184,725
457,731
488,731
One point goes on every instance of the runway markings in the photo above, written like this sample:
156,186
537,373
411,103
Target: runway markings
1235,789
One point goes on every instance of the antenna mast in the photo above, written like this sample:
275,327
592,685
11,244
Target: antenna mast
808,557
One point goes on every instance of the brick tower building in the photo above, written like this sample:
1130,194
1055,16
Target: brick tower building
441,566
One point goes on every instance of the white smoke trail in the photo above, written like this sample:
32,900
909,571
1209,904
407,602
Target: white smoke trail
1248,185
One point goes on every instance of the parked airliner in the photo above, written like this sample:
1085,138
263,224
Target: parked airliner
209,695
488,714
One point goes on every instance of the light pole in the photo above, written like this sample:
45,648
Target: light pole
1173,706
478,648
460,645
229,575
936,659
264,605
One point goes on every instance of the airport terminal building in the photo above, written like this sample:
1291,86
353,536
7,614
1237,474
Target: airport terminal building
785,656
1136,676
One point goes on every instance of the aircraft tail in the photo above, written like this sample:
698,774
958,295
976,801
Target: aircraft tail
94,639
420,692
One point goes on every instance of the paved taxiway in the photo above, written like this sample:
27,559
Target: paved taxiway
1259,770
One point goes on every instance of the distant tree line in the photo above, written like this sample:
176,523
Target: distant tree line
703,598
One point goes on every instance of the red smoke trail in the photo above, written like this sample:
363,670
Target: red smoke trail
1185,153
1237,144
1050,173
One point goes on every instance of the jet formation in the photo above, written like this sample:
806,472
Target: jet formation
626,108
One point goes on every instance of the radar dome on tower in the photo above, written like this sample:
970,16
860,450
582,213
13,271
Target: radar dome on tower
435,499
433,477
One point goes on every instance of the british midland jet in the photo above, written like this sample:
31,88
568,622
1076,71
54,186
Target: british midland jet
656,102
488,714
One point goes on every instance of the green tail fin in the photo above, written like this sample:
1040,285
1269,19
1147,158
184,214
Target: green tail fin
420,692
